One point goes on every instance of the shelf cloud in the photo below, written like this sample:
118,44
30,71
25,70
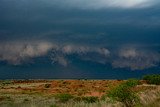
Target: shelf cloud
92,38
134,58
19,51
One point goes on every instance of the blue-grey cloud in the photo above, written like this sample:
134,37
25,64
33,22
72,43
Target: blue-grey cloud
102,4
136,58
17,52
83,28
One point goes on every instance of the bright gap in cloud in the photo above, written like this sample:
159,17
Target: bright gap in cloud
101,4
129,3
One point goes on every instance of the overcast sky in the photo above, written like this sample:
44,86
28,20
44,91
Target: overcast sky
123,33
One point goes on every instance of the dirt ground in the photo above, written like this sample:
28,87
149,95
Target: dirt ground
74,87
44,90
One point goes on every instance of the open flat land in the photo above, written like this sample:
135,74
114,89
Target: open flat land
43,93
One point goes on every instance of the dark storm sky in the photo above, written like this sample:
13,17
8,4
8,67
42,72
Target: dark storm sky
121,33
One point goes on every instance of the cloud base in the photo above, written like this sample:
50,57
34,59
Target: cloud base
135,58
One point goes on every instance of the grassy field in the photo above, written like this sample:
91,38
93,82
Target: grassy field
72,93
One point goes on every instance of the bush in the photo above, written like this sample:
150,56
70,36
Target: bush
132,82
152,79
87,99
78,99
7,82
25,100
90,99
63,97
54,105
103,97
124,93
47,85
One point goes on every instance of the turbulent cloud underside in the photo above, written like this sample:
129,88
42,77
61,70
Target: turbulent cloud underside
17,53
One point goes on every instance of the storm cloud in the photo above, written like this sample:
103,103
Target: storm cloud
17,52
136,58
20,51
102,4
97,31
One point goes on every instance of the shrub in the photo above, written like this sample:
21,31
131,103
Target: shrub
63,97
152,79
132,82
87,99
78,99
47,85
103,97
7,82
90,99
54,105
25,100
124,93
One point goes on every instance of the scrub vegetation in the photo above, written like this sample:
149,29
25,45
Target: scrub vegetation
81,93
125,94
152,79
